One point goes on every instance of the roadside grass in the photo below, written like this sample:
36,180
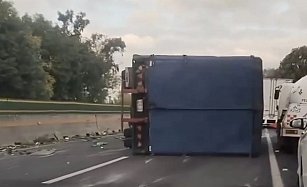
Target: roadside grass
26,106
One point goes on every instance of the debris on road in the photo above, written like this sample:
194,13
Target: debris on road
120,137
284,169
17,143
102,143
32,147
66,138
9,151
24,152
77,136
276,151
44,139
23,144
44,152
99,144
55,136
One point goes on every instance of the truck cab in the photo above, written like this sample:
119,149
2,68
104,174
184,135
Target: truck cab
292,104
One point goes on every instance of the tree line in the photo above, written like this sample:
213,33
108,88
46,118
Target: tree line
293,66
43,60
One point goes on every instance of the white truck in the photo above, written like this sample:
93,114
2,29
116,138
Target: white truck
292,104
270,111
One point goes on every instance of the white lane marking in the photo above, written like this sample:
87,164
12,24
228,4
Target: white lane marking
149,160
276,177
84,170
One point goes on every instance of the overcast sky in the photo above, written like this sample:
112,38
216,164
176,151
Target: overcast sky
265,28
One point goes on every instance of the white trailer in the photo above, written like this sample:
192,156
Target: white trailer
270,111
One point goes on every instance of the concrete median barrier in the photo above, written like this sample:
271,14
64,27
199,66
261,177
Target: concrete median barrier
27,127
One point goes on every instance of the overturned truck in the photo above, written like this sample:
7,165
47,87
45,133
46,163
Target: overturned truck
194,104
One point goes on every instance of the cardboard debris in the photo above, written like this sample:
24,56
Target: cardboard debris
44,139
101,143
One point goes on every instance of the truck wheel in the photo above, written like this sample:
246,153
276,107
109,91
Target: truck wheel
128,142
128,133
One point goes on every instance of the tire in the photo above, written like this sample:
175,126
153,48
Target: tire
128,133
128,142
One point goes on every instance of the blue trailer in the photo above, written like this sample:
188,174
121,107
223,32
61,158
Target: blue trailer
195,104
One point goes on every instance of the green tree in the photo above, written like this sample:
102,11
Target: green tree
271,73
21,73
40,60
102,71
62,54
294,65
83,71
73,24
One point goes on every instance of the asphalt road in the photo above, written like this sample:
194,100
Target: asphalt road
78,164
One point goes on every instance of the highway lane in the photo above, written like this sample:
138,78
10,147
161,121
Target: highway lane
72,158
287,163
